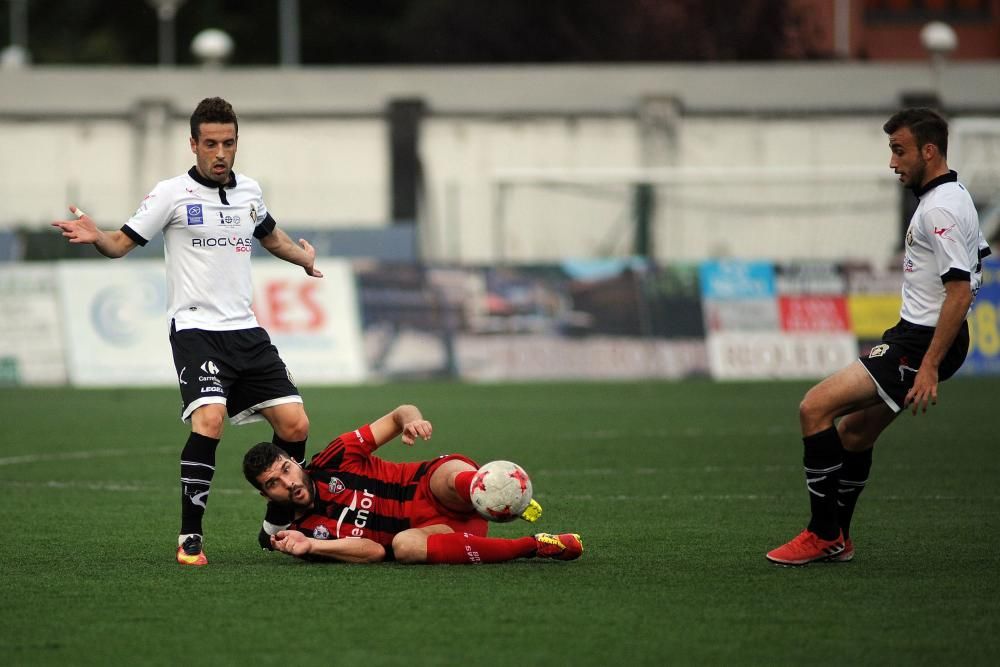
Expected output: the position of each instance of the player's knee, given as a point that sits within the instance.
(208, 422)
(853, 437)
(805, 410)
(295, 429)
(407, 549)
(811, 412)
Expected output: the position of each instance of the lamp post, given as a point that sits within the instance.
(16, 55)
(939, 39)
(166, 12)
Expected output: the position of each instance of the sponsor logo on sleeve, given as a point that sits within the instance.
(194, 215)
(943, 232)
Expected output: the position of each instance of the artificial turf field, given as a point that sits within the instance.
(677, 488)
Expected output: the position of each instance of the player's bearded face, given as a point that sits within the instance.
(215, 151)
(287, 483)
(907, 159)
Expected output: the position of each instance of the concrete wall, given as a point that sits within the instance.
(519, 164)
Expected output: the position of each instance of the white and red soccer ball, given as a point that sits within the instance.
(500, 491)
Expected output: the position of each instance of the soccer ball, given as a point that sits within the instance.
(500, 491)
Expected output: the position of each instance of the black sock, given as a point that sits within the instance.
(197, 469)
(822, 461)
(277, 515)
(853, 477)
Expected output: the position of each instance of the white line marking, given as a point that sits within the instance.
(76, 456)
(688, 432)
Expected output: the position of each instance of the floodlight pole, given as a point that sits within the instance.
(166, 12)
(19, 23)
(16, 53)
(288, 27)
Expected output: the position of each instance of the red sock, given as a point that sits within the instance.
(459, 548)
(463, 485)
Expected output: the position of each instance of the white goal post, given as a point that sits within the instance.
(692, 213)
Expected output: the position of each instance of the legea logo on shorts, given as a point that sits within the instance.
(194, 214)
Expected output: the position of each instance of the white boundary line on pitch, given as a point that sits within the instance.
(688, 432)
(77, 456)
(130, 487)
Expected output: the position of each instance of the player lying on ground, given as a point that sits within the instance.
(352, 506)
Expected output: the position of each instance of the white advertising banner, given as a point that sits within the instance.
(754, 356)
(315, 323)
(516, 358)
(115, 323)
(31, 346)
(116, 328)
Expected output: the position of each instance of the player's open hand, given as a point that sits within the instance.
(418, 428)
(310, 251)
(80, 230)
(291, 542)
(924, 389)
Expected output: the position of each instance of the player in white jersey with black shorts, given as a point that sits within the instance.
(225, 361)
(843, 415)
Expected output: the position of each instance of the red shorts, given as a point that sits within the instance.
(426, 510)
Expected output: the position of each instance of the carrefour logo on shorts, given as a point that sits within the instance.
(194, 214)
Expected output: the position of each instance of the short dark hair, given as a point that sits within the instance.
(259, 458)
(927, 126)
(213, 110)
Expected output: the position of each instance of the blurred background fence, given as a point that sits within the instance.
(733, 218)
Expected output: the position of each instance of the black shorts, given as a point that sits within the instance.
(893, 364)
(240, 369)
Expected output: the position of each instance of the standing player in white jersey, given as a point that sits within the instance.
(225, 361)
(942, 271)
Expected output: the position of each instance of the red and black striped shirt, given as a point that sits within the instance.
(358, 494)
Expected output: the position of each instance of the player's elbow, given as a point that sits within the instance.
(373, 553)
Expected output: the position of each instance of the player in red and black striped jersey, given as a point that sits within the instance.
(352, 506)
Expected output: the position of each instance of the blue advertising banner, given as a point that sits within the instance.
(984, 325)
(735, 279)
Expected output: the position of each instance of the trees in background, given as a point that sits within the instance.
(420, 31)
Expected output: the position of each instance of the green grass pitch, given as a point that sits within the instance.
(677, 488)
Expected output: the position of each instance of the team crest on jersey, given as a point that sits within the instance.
(909, 236)
(321, 533)
(878, 351)
(194, 214)
(336, 486)
(253, 214)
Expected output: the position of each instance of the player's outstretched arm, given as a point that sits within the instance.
(405, 420)
(353, 550)
(303, 254)
(83, 230)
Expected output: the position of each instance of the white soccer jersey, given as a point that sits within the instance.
(943, 241)
(208, 234)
